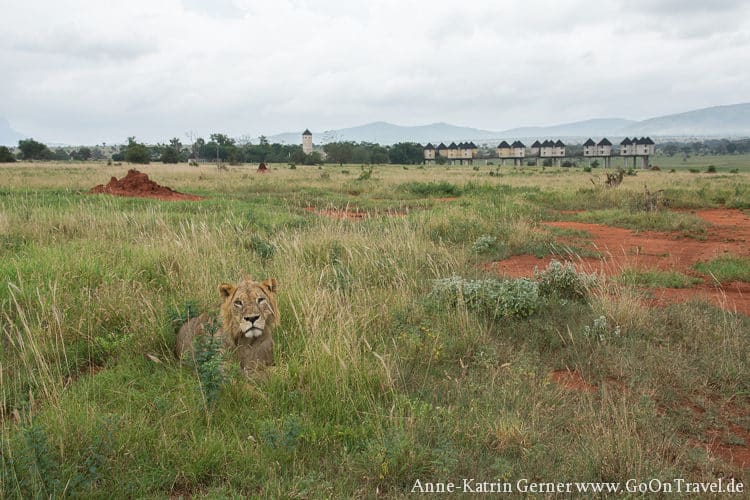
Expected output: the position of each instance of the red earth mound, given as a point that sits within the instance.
(137, 184)
(625, 249)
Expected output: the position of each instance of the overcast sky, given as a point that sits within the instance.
(84, 71)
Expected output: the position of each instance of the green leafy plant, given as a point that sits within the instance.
(262, 247)
(484, 244)
(563, 281)
(208, 364)
(496, 298)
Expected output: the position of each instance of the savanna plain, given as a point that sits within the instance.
(436, 323)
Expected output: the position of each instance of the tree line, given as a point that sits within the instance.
(222, 148)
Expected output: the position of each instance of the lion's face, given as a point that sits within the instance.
(249, 309)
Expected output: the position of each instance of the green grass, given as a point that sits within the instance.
(726, 268)
(375, 383)
(657, 278)
(685, 224)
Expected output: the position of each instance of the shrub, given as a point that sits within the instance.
(711, 169)
(563, 281)
(208, 364)
(496, 298)
(484, 244)
(694, 171)
(587, 169)
(137, 152)
(6, 155)
(262, 248)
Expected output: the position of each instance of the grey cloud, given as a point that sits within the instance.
(78, 45)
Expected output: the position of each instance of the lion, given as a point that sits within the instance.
(249, 312)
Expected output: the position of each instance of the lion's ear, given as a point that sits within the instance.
(226, 290)
(271, 284)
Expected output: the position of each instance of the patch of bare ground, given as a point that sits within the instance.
(725, 439)
(625, 249)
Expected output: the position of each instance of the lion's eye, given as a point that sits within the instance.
(238, 303)
(261, 300)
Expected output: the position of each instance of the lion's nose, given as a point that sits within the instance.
(252, 319)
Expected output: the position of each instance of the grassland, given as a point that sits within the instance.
(377, 382)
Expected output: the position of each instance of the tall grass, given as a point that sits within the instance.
(375, 384)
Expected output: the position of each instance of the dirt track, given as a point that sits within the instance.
(622, 249)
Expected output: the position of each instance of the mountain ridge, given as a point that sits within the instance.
(731, 120)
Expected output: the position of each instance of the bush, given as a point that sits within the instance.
(208, 365)
(170, 155)
(6, 155)
(563, 281)
(711, 169)
(137, 153)
(262, 248)
(496, 298)
(484, 244)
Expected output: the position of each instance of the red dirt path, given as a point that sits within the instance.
(137, 184)
(729, 233)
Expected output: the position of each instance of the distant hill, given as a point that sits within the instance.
(388, 133)
(8, 136)
(597, 126)
(731, 120)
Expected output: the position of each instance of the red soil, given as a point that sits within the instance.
(137, 184)
(737, 454)
(717, 439)
(626, 249)
(572, 381)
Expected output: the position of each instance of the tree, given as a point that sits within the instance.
(33, 150)
(137, 152)
(6, 155)
(82, 154)
(171, 153)
(313, 158)
(406, 153)
(59, 154)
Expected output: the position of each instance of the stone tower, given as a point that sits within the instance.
(307, 147)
